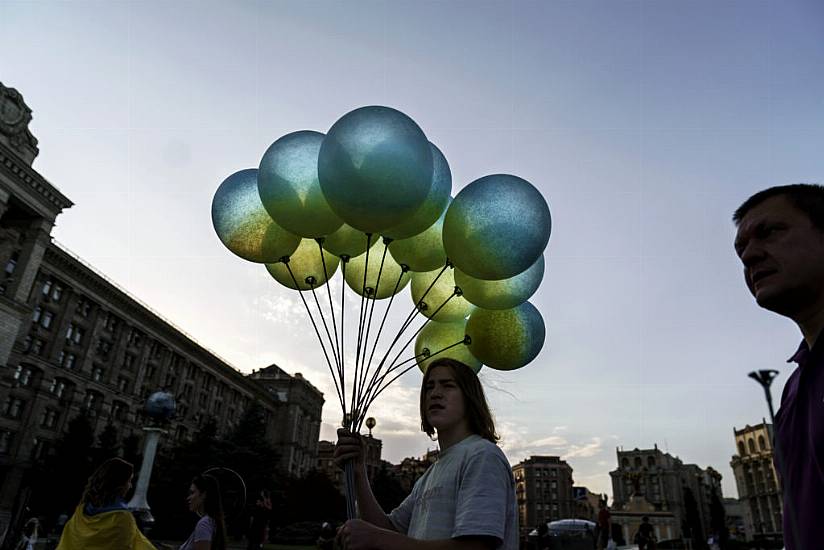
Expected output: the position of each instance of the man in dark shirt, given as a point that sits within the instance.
(780, 241)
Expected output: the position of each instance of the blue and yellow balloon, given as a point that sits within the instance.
(308, 269)
(506, 339)
(375, 168)
(444, 340)
(289, 188)
(496, 227)
(502, 294)
(244, 226)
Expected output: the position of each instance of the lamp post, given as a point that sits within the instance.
(765, 378)
(160, 408)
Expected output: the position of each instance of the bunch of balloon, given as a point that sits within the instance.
(372, 197)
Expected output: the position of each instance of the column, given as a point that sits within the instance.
(37, 239)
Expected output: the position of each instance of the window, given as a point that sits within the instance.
(123, 384)
(119, 410)
(22, 375)
(97, 374)
(84, 307)
(27, 344)
(57, 293)
(49, 419)
(74, 334)
(37, 346)
(14, 407)
(46, 319)
(35, 315)
(103, 347)
(741, 450)
(38, 448)
(47, 285)
(6, 439)
(751, 445)
(761, 443)
(651, 461)
(12, 263)
(57, 387)
(66, 360)
(91, 401)
(128, 361)
(638, 463)
(134, 338)
(110, 323)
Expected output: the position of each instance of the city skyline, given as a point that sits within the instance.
(643, 125)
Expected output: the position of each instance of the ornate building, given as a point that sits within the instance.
(668, 485)
(326, 460)
(757, 482)
(72, 342)
(543, 489)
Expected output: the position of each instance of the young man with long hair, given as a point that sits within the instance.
(780, 241)
(466, 500)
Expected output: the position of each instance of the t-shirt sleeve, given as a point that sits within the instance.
(483, 496)
(204, 530)
(402, 515)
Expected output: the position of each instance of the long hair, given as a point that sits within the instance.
(107, 482)
(212, 507)
(477, 410)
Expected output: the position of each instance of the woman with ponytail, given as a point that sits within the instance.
(204, 500)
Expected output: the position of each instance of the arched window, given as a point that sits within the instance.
(751, 444)
(625, 462)
(638, 462)
(741, 449)
(761, 443)
(650, 461)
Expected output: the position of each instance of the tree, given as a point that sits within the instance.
(718, 518)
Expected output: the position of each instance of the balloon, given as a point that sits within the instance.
(496, 227)
(434, 337)
(389, 274)
(424, 251)
(289, 187)
(348, 241)
(243, 225)
(434, 205)
(502, 294)
(306, 266)
(506, 339)
(455, 309)
(375, 168)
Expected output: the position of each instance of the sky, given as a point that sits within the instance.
(643, 123)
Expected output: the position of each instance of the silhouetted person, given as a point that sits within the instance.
(204, 500)
(465, 500)
(259, 522)
(780, 241)
(646, 535)
(604, 525)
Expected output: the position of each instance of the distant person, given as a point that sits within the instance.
(780, 241)
(102, 521)
(645, 538)
(604, 525)
(205, 501)
(326, 539)
(28, 539)
(259, 521)
(465, 500)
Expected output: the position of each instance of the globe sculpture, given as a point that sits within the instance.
(160, 406)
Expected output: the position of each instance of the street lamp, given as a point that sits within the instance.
(370, 423)
(765, 378)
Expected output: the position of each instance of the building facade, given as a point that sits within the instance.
(326, 460)
(758, 488)
(72, 342)
(668, 485)
(543, 490)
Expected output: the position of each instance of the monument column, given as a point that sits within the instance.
(34, 247)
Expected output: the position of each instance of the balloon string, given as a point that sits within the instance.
(345, 260)
(326, 328)
(404, 269)
(331, 306)
(406, 345)
(366, 365)
(416, 309)
(317, 333)
(397, 366)
(361, 318)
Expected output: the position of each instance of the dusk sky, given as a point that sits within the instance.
(643, 123)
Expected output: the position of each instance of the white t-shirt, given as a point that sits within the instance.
(204, 531)
(469, 491)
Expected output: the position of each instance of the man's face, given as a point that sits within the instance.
(783, 256)
(443, 399)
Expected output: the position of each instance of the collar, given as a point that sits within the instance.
(803, 354)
